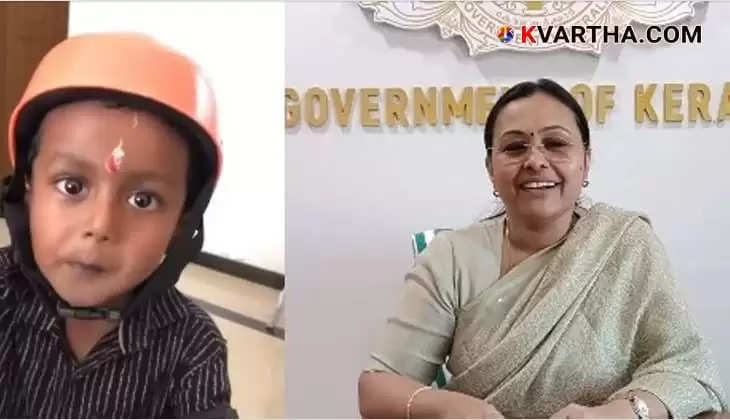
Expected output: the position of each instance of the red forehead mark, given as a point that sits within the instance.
(113, 162)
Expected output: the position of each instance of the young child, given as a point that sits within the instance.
(115, 159)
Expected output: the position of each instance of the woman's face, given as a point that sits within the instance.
(538, 162)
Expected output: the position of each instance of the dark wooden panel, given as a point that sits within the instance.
(28, 31)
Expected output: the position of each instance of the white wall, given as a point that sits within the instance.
(241, 48)
(354, 196)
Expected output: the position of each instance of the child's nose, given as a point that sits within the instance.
(101, 221)
(92, 234)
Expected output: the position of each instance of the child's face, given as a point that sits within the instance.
(96, 234)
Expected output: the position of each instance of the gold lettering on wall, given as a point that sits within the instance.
(483, 100)
(446, 105)
(424, 106)
(672, 103)
(604, 101)
(457, 109)
(343, 109)
(699, 102)
(395, 107)
(292, 111)
(367, 107)
(642, 103)
(318, 96)
(723, 111)
(583, 94)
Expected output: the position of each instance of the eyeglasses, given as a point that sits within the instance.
(554, 150)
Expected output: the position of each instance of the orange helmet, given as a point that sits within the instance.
(118, 63)
(134, 70)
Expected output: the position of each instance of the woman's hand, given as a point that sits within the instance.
(386, 395)
(614, 409)
(454, 405)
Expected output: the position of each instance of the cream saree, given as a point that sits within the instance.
(583, 321)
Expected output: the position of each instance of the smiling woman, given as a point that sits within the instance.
(549, 308)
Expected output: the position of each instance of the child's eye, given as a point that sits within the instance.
(70, 187)
(144, 201)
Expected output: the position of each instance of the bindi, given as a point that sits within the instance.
(113, 162)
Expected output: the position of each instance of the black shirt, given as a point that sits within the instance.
(167, 360)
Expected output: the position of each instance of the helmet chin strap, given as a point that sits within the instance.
(87, 314)
(90, 313)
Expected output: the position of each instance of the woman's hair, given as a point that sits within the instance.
(527, 89)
